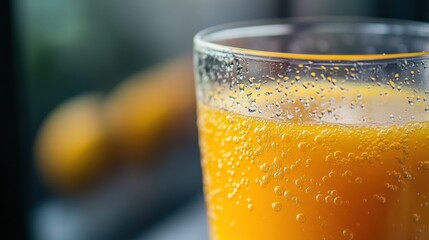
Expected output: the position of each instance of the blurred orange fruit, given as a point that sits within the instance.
(80, 137)
(151, 106)
(72, 146)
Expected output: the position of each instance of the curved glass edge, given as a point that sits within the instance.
(282, 26)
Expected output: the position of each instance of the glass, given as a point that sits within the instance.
(315, 129)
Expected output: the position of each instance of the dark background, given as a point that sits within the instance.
(13, 210)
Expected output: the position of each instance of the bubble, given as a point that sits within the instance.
(286, 194)
(317, 138)
(276, 206)
(332, 173)
(348, 234)
(351, 156)
(395, 146)
(338, 201)
(303, 146)
(348, 173)
(337, 154)
(277, 161)
(300, 217)
(325, 178)
(407, 175)
(293, 167)
(308, 162)
(425, 165)
(391, 187)
(329, 157)
(358, 180)
(250, 207)
(329, 199)
(333, 193)
(319, 197)
(416, 217)
(266, 179)
(298, 182)
(278, 190)
(264, 168)
(379, 198)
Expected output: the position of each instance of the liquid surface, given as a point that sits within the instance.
(282, 178)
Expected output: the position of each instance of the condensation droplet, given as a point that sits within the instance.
(250, 207)
(241, 87)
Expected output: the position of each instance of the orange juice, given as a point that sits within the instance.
(268, 178)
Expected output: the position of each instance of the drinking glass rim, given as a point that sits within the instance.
(282, 26)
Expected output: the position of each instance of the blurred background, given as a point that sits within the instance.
(99, 136)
